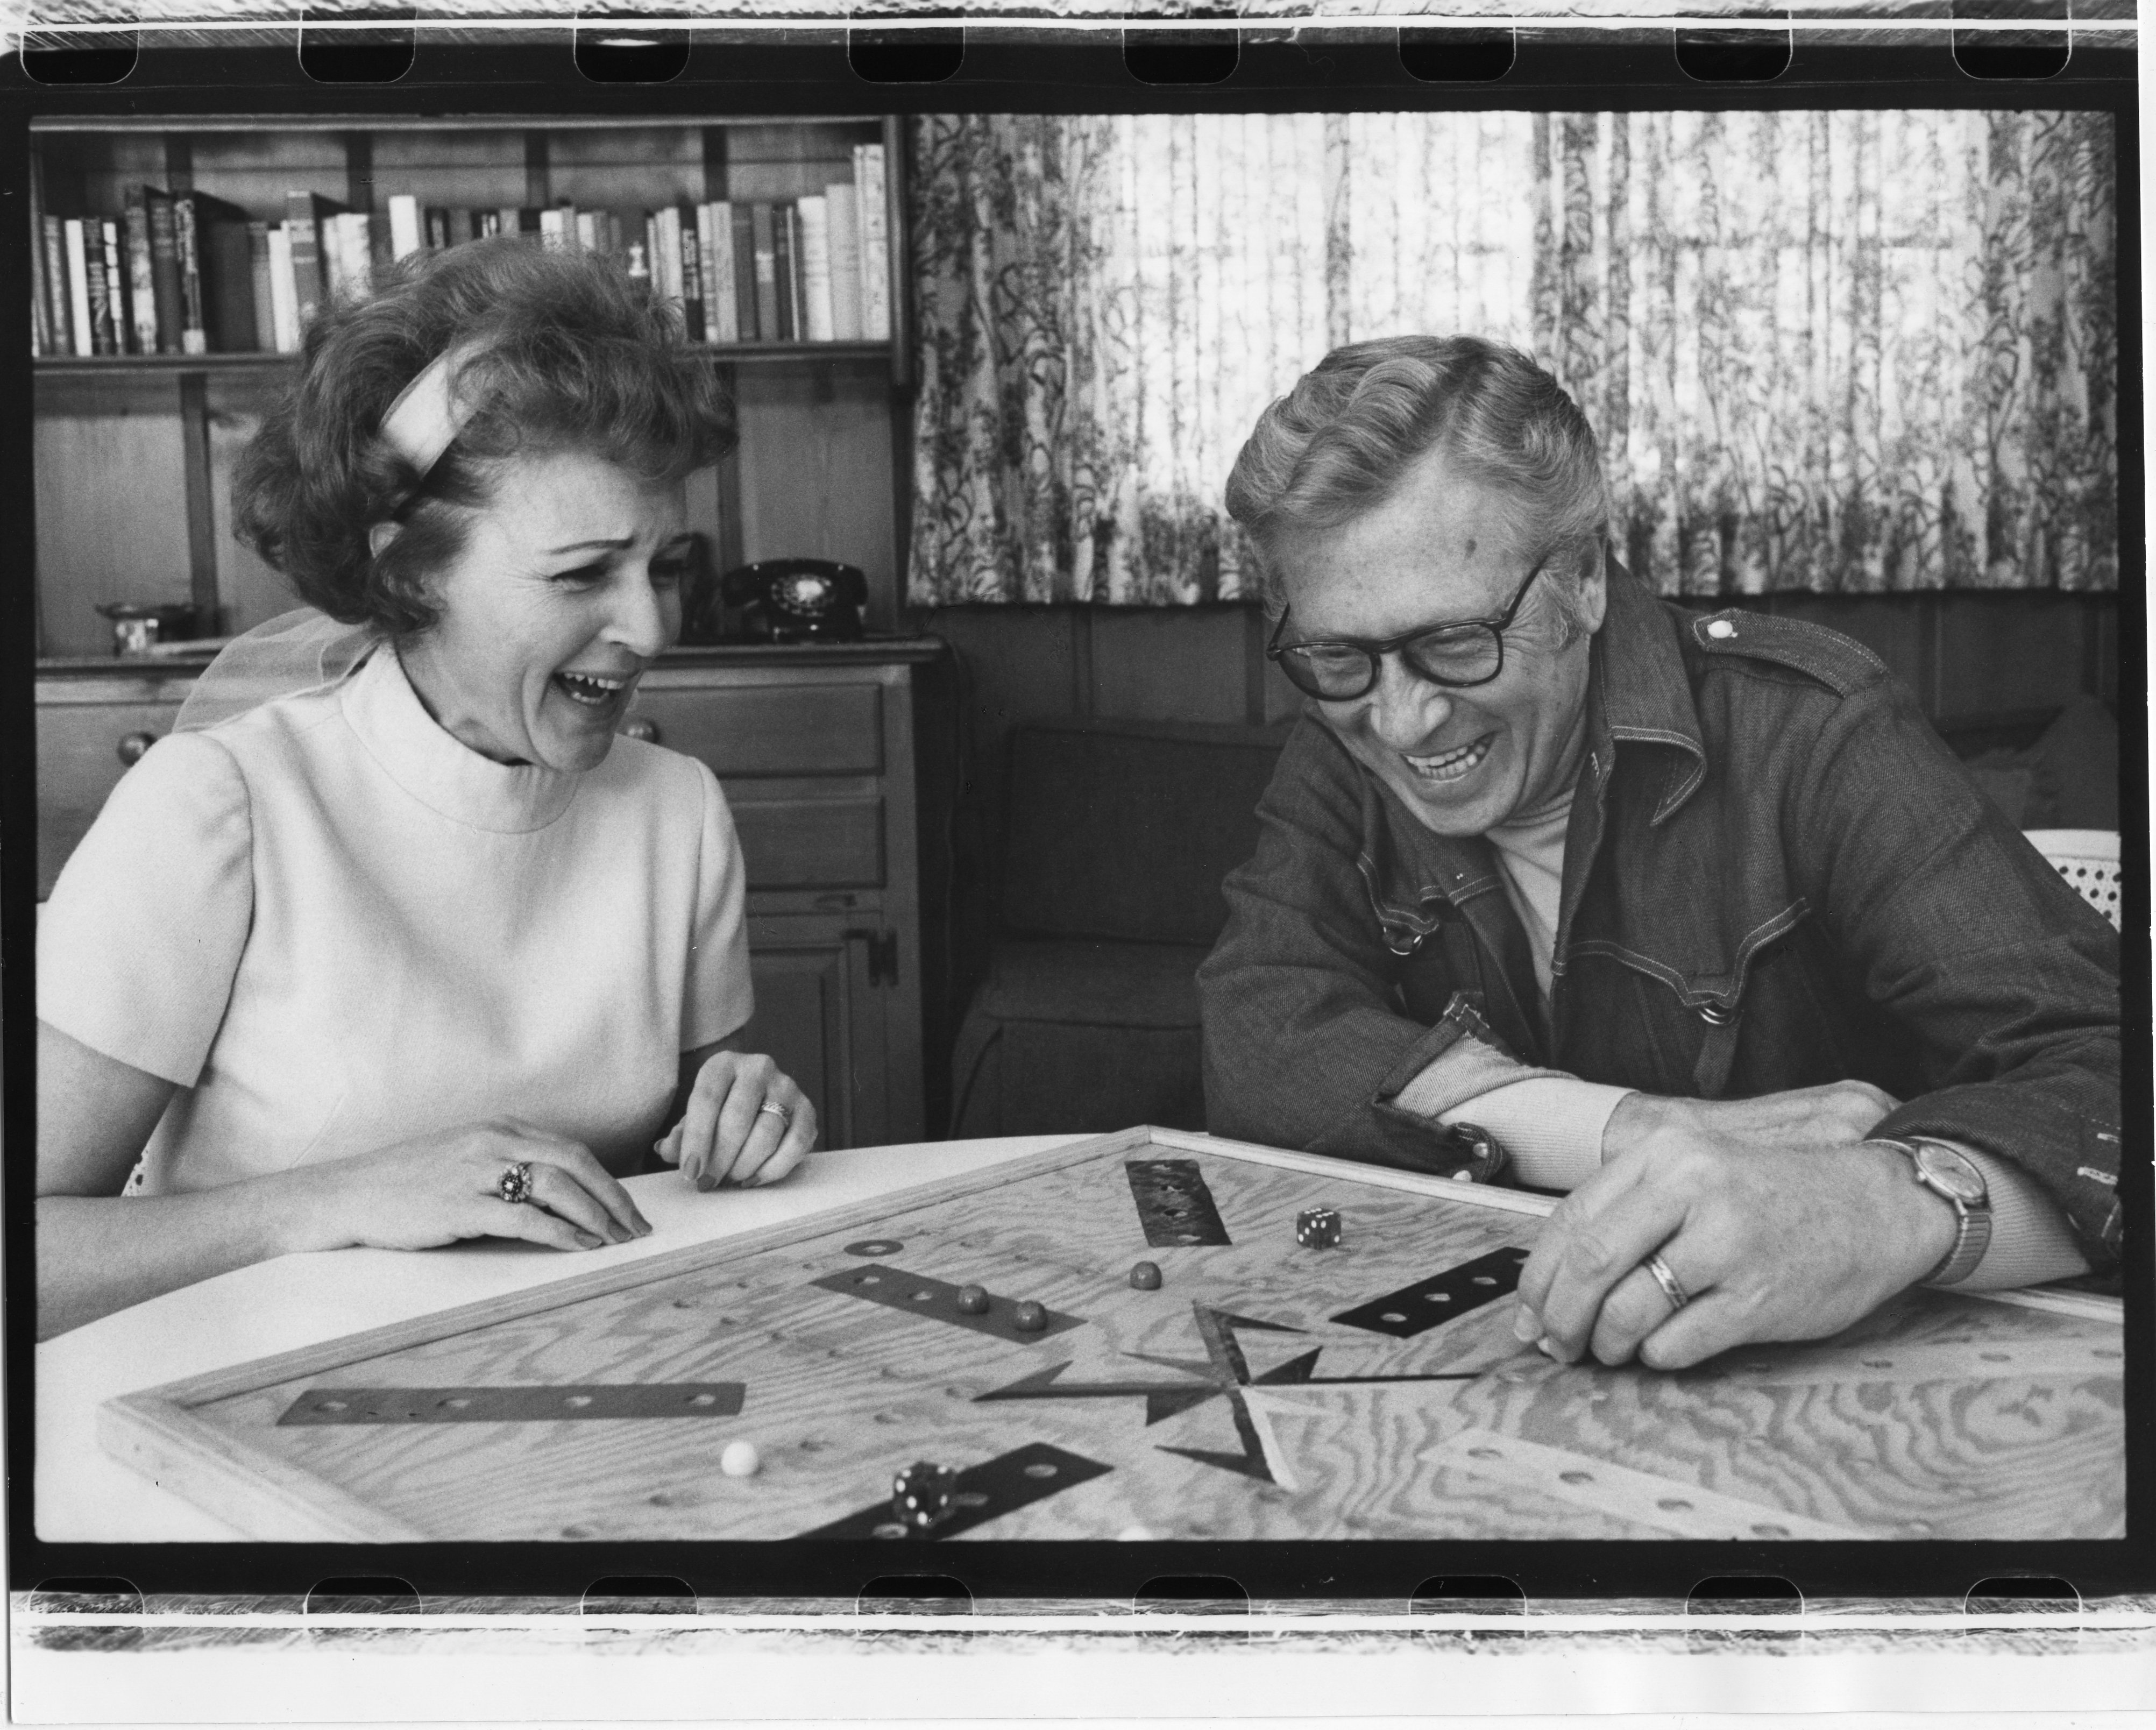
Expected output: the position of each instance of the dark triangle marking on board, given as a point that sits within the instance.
(1163, 1403)
(1294, 1370)
(1240, 1464)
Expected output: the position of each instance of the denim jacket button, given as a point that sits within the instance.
(1714, 1015)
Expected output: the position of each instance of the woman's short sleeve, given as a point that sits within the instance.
(718, 996)
(139, 946)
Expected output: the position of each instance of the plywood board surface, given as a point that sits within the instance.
(1230, 1403)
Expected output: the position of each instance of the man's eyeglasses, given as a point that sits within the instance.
(1470, 652)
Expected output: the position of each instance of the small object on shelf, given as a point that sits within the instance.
(1028, 1318)
(973, 1300)
(921, 1495)
(138, 629)
(784, 600)
(740, 1460)
(1146, 1276)
(1317, 1227)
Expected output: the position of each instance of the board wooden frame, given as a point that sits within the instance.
(157, 1433)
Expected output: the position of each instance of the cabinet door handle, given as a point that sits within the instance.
(639, 728)
(132, 747)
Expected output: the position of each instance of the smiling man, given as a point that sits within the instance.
(1691, 917)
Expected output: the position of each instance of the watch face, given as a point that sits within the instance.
(1948, 1171)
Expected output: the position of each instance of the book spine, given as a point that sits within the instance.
(405, 239)
(307, 256)
(43, 327)
(141, 273)
(587, 231)
(56, 277)
(842, 223)
(747, 312)
(77, 285)
(228, 280)
(550, 230)
(164, 267)
(116, 290)
(816, 266)
(666, 260)
(721, 314)
(785, 272)
(692, 272)
(283, 294)
(876, 243)
(359, 253)
(437, 227)
(102, 330)
(258, 283)
(194, 334)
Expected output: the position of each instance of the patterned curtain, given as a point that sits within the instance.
(1837, 351)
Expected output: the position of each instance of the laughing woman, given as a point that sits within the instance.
(423, 951)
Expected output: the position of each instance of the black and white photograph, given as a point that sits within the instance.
(785, 823)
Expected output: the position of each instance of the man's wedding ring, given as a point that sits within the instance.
(516, 1182)
(1673, 1289)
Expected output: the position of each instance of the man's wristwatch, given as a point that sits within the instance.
(1948, 1173)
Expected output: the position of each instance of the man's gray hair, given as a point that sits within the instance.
(1337, 444)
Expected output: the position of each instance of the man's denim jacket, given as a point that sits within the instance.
(1775, 876)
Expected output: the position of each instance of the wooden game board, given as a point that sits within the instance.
(1265, 1390)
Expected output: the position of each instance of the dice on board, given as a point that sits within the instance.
(1317, 1227)
(921, 1495)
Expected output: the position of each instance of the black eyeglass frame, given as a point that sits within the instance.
(1374, 651)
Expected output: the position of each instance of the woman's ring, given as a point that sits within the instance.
(777, 1111)
(516, 1182)
(1659, 1271)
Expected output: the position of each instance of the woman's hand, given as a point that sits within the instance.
(441, 1188)
(745, 1123)
(1771, 1217)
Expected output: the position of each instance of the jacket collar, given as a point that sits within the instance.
(1638, 693)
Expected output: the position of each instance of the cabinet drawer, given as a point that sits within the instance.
(79, 764)
(810, 844)
(769, 730)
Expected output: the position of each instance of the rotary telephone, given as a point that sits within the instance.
(786, 600)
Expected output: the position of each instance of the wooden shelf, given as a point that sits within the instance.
(729, 354)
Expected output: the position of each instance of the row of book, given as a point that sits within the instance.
(187, 273)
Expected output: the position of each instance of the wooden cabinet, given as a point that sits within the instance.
(815, 747)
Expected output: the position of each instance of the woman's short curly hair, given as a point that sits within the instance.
(567, 352)
(1337, 444)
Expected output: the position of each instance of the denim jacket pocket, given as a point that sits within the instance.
(1711, 998)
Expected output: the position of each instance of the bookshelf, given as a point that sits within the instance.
(135, 451)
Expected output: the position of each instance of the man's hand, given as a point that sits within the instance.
(1778, 1224)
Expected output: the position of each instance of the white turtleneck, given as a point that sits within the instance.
(336, 928)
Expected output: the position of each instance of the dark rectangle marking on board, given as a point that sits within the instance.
(920, 1295)
(982, 1492)
(1175, 1205)
(1428, 1303)
(515, 1406)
